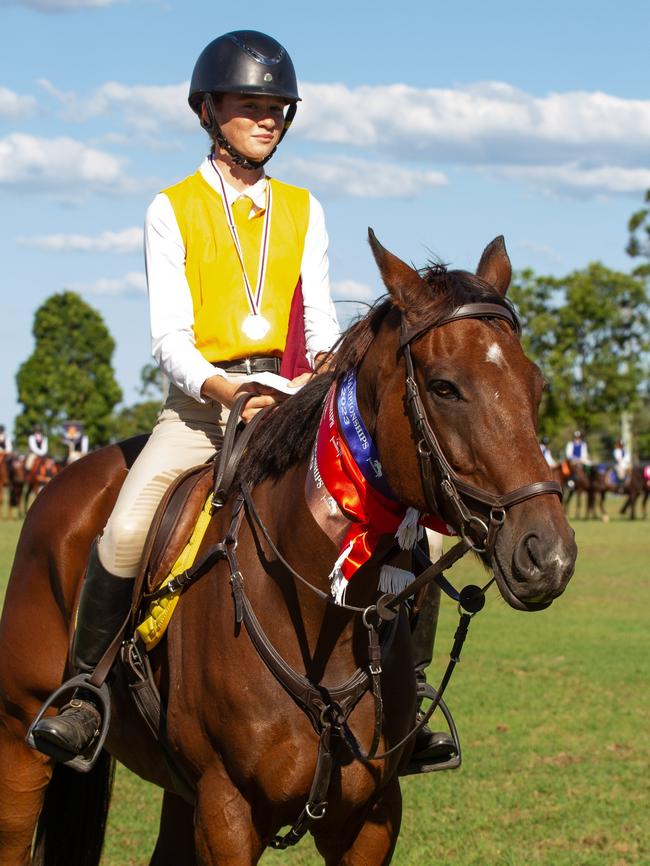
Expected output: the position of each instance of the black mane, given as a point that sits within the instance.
(286, 436)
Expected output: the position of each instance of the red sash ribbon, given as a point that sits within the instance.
(371, 512)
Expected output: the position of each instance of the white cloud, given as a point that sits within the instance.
(352, 300)
(59, 5)
(489, 122)
(13, 105)
(358, 178)
(544, 251)
(132, 283)
(602, 138)
(126, 241)
(577, 180)
(62, 168)
(147, 108)
(351, 290)
(150, 109)
(481, 123)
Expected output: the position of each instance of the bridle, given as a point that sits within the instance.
(477, 514)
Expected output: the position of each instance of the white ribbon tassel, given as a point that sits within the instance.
(408, 532)
(338, 583)
(393, 579)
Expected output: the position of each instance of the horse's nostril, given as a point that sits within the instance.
(524, 560)
(533, 549)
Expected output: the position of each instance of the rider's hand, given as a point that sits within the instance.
(226, 392)
(300, 380)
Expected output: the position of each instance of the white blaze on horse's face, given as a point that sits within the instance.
(495, 355)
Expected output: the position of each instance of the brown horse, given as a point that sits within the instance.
(598, 481)
(41, 472)
(12, 476)
(585, 487)
(638, 486)
(248, 750)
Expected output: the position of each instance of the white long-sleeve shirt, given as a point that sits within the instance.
(36, 447)
(170, 301)
(577, 451)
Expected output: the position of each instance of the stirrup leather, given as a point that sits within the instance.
(82, 763)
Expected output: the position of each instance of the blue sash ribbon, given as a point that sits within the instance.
(356, 436)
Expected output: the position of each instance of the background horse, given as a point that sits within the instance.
(604, 481)
(12, 477)
(42, 471)
(586, 488)
(248, 750)
(637, 486)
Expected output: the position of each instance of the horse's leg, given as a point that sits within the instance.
(630, 503)
(224, 832)
(372, 840)
(24, 776)
(567, 500)
(604, 516)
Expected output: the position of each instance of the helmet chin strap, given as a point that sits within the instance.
(212, 126)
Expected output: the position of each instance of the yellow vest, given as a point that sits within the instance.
(214, 272)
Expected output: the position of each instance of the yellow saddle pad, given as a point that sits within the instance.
(160, 611)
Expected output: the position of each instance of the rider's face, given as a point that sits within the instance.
(252, 124)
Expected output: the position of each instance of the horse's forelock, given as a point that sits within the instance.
(451, 289)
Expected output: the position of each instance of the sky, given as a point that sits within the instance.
(440, 125)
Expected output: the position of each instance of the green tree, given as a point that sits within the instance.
(140, 418)
(69, 373)
(588, 331)
(641, 427)
(539, 303)
(639, 240)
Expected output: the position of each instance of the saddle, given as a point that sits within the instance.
(179, 524)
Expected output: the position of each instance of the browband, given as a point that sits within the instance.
(466, 311)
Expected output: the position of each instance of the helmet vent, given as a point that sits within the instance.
(256, 55)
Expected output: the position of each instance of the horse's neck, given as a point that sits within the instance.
(299, 538)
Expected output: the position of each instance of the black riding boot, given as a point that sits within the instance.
(103, 606)
(430, 746)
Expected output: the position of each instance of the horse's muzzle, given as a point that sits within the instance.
(535, 569)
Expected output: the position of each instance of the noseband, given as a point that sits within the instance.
(477, 514)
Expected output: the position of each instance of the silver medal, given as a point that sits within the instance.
(255, 327)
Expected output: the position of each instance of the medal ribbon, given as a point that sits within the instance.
(254, 297)
(364, 497)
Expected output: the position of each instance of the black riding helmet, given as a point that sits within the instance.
(243, 61)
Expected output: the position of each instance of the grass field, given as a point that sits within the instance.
(552, 710)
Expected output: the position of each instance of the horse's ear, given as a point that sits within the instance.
(494, 267)
(403, 282)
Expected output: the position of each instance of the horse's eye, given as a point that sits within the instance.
(443, 389)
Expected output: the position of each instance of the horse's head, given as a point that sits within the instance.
(454, 400)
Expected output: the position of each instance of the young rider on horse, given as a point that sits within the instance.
(227, 249)
(37, 446)
(546, 451)
(6, 445)
(622, 462)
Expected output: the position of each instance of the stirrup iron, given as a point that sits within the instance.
(85, 762)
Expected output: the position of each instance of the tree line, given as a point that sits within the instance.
(69, 375)
(588, 331)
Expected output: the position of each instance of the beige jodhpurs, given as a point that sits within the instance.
(187, 433)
